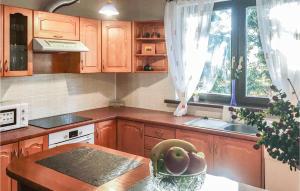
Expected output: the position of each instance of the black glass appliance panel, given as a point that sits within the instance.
(57, 121)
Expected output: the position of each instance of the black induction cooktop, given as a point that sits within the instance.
(57, 121)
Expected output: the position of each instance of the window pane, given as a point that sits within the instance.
(216, 75)
(257, 75)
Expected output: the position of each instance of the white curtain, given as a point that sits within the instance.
(279, 27)
(187, 26)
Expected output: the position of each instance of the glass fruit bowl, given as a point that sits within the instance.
(168, 182)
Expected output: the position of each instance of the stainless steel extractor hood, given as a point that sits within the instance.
(54, 45)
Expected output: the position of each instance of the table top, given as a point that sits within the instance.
(28, 172)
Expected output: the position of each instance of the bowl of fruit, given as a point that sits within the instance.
(176, 165)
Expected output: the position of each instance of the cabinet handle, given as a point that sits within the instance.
(215, 149)
(81, 63)
(141, 132)
(6, 66)
(57, 36)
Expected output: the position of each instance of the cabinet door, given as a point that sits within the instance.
(236, 159)
(106, 134)
(131, 137)
(32, 146)
(7, 153)
(90, 35)
(1, 40)
(203, 142)
(17, 41)
(116, 46)
(56, 26)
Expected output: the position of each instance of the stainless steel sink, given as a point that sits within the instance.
(221, 125)
(241, 128)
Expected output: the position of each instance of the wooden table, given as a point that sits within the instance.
(34, 177)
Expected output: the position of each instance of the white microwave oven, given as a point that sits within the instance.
(13, 116)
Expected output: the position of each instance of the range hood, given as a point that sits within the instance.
(54, 45)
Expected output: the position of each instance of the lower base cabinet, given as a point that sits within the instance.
(7, 154)
(131, 137)
(203, 142)
(106, 134)
(16, 150)
(228, 157)
(238, 160)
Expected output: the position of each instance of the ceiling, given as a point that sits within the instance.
(129, 9)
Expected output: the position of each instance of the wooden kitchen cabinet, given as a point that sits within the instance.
(116, 46)
(1, 40)
(7, 153)
(131, 137)
(55, 26)
(17, 53)
(203, 143)
(236, 159)
(90, 35)
(106, 134)
(32, 146)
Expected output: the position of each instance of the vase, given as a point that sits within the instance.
(233, 93)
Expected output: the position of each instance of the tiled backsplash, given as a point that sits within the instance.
(54, 94)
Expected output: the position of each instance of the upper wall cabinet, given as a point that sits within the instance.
(51, 25)
(90, 35)
(17, 41)
(116, 46)
(1, 40)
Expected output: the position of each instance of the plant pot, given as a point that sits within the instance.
(195, 98)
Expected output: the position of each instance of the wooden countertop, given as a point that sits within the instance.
(31, 175)
(129, 113)
(37, 177)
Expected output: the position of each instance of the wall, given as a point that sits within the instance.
(150, 90)
(54, 94)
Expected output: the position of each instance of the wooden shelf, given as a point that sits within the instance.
(153, 71)
(158, 62)
(151, 39)
(153, 55)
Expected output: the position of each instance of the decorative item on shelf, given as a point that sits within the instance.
(148, 67)
(155, 35)
(160, 48)
(148, 48)
(238, 68)
(177, 165)
(280, 137)
(146, 35)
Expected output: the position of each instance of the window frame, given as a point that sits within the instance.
(238, 48)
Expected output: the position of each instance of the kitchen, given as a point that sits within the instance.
(108, 96)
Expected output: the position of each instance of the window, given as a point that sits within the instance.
(234, 34)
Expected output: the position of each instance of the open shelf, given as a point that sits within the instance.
(152, 55)
(157, 58)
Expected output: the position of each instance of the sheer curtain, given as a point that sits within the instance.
(279, 27)
(187, 30)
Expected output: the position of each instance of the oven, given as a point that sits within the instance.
(82, 134)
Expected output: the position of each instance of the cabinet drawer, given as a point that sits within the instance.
(150, 142)
(147, 153)
(159, 132)
(51, 25)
